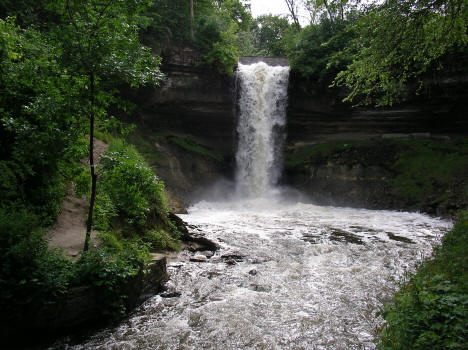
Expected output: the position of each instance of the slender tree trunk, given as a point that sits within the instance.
(328, 10)
(89, 221)
(293, 10)
(192, 15)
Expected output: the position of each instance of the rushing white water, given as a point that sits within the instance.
(287, 276)
(306, 277)
(262, 116)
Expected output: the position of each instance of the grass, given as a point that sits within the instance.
(145, 144)
(431, 309)
(189, 144)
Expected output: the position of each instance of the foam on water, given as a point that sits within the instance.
(310, 278)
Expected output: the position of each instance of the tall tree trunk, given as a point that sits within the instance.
(292, 7)
(89, 221)
(192, 15)
(328, 10)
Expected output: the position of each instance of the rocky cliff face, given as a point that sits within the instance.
(186, 127)
(412, 174)
(317, 114)
(199, 104)
(317, 117)
(193, 101)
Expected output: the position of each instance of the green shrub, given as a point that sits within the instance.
(110, 242)
(431, 310)
(128, 188)
(109, 269)
(30, 275)
(215, 40)
(104, 212)
(162, 241)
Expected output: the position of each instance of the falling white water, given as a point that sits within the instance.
(262, 116)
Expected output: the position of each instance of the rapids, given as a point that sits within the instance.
(305, 277)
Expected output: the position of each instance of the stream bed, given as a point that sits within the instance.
(287, 276)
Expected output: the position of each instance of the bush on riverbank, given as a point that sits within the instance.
(131, 202)
(32, 277)
(132, 214)
(431, 310)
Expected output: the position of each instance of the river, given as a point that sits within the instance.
(288, 275)
(304, 277)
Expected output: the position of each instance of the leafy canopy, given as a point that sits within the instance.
(397, 43)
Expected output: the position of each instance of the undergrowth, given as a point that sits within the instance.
(132, 216)
(193, 146)
(431, 310)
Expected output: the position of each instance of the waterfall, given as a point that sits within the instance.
(262, 101)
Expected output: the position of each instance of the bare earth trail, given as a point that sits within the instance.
(68, 232)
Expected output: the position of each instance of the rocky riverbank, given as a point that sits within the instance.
(403, 174)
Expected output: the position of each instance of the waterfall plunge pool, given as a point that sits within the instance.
(305, 277)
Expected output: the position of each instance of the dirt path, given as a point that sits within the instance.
(68, 232)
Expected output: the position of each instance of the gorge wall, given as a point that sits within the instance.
(186, 126)
(317, 114)
(381, 158)
(190, 123)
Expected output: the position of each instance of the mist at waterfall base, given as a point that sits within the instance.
(288, 275)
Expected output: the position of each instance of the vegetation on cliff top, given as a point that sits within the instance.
(382, 52)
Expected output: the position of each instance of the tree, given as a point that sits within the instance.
(221, 33)
(293, 7)
(396, 43)
(100, 48)
(315, 51)
(333, 9)
(191, 20)
(39, 134)
(268, 35)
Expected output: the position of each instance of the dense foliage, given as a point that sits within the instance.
(398, 42)
(431, 309)
(40, 134)
(220, 30)
(61, 63)
(381, 52)
(315, 48)
(131, 201)
(270, 35)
